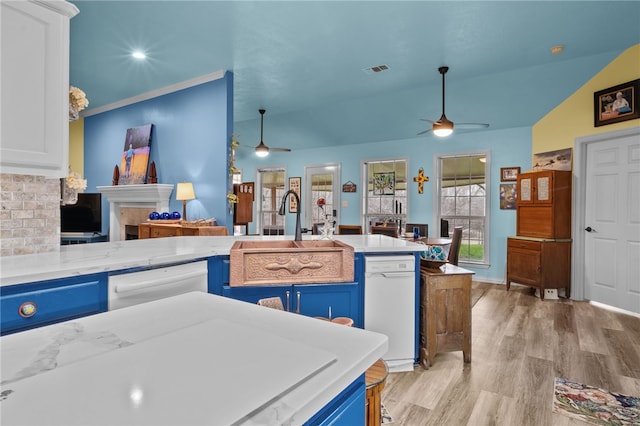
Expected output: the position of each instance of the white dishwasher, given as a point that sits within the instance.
(130, 289)
(390, 306)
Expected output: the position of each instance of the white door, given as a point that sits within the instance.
(612, 223)
(321, 183)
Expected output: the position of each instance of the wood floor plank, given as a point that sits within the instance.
(590, 334)
(520, 344)
(493, 409)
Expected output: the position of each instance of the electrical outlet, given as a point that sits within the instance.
(551, 293)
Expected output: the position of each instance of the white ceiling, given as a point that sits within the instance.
(303, 61)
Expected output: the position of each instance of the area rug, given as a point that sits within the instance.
(386, 416)
(594, 405)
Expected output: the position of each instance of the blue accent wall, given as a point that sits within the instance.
(190, 142)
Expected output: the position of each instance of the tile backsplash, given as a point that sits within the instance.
(29, 214)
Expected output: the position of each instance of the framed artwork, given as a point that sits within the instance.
(509, 174)
(616, 104)
(384, 183)
(508, 196)
(134, 160)
(294, 185)
(553, 160)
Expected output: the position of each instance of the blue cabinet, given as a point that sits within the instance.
(307, 299)
(41, 303)
(346, 409)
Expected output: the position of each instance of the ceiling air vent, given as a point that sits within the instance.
(377, 68)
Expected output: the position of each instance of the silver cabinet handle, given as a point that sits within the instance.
(298, 307)
(288, 293)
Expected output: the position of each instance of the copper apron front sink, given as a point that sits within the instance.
(277, 262)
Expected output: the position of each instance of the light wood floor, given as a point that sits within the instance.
(519, 345)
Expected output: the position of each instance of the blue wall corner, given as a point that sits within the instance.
(192, 127)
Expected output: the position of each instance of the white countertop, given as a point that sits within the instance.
(82, 259)
(191, 359)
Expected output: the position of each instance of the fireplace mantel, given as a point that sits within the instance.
(153, 196)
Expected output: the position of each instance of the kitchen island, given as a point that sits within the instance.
(83, 259)
(191, 359)
(299, 369)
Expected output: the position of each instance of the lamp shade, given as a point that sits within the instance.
(185, 191)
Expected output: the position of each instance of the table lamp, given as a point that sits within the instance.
(185, 192)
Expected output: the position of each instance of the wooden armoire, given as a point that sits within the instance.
(540, 254)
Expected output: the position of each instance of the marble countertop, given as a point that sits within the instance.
(82, 259)
(191, 359)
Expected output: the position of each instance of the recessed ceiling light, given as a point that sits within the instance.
(138, 54)
(556, 50)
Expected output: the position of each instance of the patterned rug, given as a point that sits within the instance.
(594, 405)
(386, 416)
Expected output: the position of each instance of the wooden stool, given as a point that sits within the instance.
(375, 378)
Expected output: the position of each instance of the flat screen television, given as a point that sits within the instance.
(83, 217)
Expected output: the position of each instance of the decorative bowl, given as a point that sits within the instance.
(435, 256)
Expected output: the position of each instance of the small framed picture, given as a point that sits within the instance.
(616, 104)
(509, 174)
(508, 196)
(294, 185)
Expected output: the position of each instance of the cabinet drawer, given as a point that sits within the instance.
(31, 305)
(523, 244)
(158, 232)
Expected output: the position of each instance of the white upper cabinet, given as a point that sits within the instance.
(34, 131)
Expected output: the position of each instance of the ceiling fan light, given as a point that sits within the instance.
(262, 150)
(443, 127)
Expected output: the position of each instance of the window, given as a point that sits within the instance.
(386, 193)
(463, 200)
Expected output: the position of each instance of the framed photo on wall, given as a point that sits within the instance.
(508, 196)
(294, 185)
(509, 174)
(617, 103)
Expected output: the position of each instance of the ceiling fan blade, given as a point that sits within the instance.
(280, 149)
(472, 125)
(423, 132)
(428, 121)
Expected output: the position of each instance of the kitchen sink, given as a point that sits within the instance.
(281, 262)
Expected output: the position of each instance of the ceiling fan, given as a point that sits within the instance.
(443, 126)
(262, 150)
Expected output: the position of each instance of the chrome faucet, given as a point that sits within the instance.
(281, 212)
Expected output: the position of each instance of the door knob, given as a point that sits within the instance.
(589, 229)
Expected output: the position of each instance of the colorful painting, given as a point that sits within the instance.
(553, 160)
(508, 196)
(134, 161)
(384, 183)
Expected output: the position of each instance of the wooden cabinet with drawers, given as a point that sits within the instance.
(161, 230)
(539, 263)
(544, 204)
